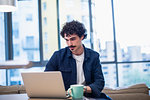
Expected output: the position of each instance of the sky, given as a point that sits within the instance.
(132, 22)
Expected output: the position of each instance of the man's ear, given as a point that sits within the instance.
(82, 37)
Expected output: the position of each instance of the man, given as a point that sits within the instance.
(78, 64)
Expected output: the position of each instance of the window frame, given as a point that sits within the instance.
(42, 62)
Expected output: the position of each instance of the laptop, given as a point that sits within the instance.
(44, 84)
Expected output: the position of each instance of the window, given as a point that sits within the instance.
(46, 48)
(108, 72)
(137, 46)
(25, 35)
(49, 28)
(45, 36)
(114, 31)
(84, 0)
(124, 41)
(134, 74)
(84, 5)
(2, 37)
(132, 29)
(44, 6)
(29, 17)
(2, 50)
(15, 30)
(104, 28)
(29, 42)
(105, 67)
(16, 49)
(16, 74)
(69, 18)
(74, 12)
(45, 21)
(30, 55)
(69, 3)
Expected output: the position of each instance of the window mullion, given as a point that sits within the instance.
(115, 43)
(8, 41)
(8, 36)
(91, 24)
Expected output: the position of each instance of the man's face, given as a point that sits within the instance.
(74, 42)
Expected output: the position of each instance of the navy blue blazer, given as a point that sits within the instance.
(63, 61)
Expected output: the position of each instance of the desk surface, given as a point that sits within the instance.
(21, 97)
(14, 97)
(25, 97)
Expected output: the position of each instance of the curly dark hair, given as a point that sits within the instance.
(74, 27)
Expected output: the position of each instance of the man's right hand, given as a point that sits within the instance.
(87, 89)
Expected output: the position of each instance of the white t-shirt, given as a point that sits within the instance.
(80, 73)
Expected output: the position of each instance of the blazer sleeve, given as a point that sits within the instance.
(98, 84)
(52, 64)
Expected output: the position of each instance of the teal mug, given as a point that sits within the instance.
(76, 91)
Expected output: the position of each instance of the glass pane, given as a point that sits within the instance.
(104, 29)
(75, 10)
(134, 73)
(26, 31)
(96, 39)
(49, 27)
(132, 29)
(109, 72)
(2, 37)
(16, 74)
(2, 50)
